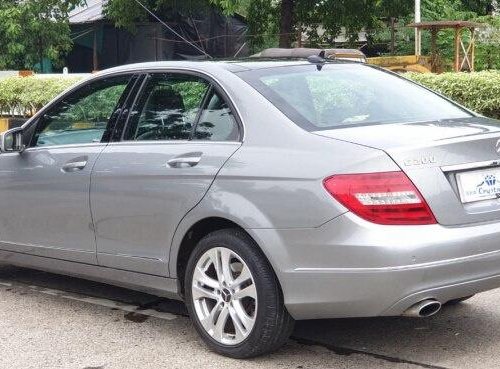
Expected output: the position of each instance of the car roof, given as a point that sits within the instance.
(211, 65)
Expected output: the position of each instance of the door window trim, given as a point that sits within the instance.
(213, 85)
(203, 104)
(118, 126)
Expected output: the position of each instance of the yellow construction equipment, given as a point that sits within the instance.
(402, 64)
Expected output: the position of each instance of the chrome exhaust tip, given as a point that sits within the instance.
(423, 309)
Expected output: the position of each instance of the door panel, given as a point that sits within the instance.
(138, 199)
(143, 186)
(46, 208)
(44, 191)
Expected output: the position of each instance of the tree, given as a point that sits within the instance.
(333, 16)
(32, 30)
(286, 23)
(278, 20)
(124, 13)
(480, 7)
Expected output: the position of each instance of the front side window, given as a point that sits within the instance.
(341, 95)
(167, 108)
(82, 116)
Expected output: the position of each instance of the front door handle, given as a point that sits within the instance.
(74, 166)
(185, 161)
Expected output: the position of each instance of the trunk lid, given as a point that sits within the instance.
(434, 155)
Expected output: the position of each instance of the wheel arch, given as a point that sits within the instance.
(190, 238)
(215, 212)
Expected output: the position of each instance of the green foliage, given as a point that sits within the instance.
(332, 15)
(192, 93)
(488, 45)
(394, 8)
(478, 91)
(263, 16)
(233, 6)
(431, 10)
(336, 16)
(32, 30)
(90, 112)
(448, 10)
(25, 95)
(263, 27)
(125, 13)
(480, 7)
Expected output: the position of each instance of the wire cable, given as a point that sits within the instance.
(83, 33)
(172, 30)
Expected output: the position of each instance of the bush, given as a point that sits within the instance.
(25, 95)
(478, 91)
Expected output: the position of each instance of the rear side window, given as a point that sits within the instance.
(346, 95)
(167, 108)
(216, 122)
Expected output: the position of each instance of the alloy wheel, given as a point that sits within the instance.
(224, 296)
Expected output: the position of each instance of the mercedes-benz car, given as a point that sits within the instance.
(259, 192)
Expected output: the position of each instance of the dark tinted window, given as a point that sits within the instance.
(167, 108)
(346, 95)
(216, 121)
(82, 116)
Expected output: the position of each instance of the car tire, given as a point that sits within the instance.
(272, 324)
(459, 300)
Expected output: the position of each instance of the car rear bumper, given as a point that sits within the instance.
(352, 268)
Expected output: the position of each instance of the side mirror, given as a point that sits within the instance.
(12, 140)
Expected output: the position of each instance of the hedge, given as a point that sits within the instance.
(25, 95)
(478, 91)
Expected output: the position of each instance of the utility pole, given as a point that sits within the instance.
(418, 31)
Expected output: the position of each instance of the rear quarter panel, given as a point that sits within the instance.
(275, 180)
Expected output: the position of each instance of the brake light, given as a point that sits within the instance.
(383, 198)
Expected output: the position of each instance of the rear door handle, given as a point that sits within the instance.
(74, 166)
(185, 161)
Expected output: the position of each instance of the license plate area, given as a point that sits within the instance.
(479, 185)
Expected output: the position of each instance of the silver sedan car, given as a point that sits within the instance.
(259, 193)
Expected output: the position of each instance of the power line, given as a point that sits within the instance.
(83, 33)
(173, 30)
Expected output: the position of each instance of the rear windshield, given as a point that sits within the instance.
(347, 95)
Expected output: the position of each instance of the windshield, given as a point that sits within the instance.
(345, 95)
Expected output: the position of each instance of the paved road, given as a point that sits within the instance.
(50, 321)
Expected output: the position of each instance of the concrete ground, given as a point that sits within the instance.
(51, 321)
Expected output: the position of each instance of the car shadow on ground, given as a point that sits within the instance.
(449, 339)
(444, 340)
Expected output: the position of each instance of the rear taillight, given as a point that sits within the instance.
(383, 198)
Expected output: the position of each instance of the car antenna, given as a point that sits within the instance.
(319, 59)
